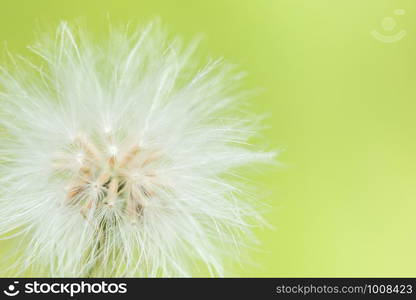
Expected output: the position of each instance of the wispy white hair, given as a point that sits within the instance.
(122, 157)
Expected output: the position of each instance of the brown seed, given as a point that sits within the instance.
(129, 156)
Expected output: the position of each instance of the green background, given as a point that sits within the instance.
(341, 104)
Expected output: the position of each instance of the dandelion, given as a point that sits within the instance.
(119, 158)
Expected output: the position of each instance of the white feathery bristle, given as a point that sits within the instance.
(114, 156)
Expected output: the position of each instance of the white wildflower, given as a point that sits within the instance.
(116, 156)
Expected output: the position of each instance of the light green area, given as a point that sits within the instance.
(341, 103)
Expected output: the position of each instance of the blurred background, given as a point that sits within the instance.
(338, 80)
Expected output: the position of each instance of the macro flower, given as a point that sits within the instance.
(123, 156)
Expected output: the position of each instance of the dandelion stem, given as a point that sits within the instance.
(97, 250)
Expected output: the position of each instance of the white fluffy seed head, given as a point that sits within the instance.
(114, 156)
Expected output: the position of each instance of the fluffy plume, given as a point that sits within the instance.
(118, 158)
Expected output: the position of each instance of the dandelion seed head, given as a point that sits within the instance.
(119, 158)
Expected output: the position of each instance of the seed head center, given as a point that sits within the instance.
(107, 179)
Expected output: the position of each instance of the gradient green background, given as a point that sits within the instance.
(341, 104)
